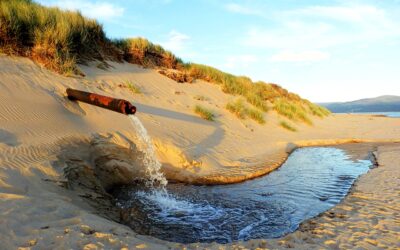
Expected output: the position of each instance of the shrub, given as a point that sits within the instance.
(287, 126)
(204, 113)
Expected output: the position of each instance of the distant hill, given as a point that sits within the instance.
(386, 103)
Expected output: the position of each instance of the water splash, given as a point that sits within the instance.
(176, 210)
(311, 181)
(150, 161)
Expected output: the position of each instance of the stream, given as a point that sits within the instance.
(311, 181)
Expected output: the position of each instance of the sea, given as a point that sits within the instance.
(388, 114)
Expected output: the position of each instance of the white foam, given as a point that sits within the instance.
(169, 206)
(145, 145)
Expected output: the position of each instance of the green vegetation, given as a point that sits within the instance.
(318, 110)
(204, 113)
(61, 39)
(291, 110)
(257, 101)
(256, 115)
(141, 51)
(287, 126)
(132, 87)
(230, 83)
(240, 109)
(58, 39)
(259, 94)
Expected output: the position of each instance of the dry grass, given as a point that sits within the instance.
(287, 126)
(204, 113)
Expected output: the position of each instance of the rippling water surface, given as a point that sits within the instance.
(311, 181)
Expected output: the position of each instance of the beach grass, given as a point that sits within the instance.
(318, 110)
(57, 39)
(143, 52)
(237, 108)
(257, 101)
(60, 40)
(292, 110)
(287, 126)
(256, 115)
(204, 113)
(259, 94)
(133, 87)
(242, 111)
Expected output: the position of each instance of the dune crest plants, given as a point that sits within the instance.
(61, 40)
(242, 111)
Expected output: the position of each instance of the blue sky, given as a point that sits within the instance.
(323, 50)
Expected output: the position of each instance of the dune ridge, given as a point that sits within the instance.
(61, 40)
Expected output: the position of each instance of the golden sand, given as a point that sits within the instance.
(39, 126)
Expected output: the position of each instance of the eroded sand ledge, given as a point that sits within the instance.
(36, 122)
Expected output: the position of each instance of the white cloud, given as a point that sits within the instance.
(239, 61)
(355, 13)
(176, 41)
(241, 9)
(321, 27)
(97, 10)
(304, 56)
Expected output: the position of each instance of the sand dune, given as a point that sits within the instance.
(39, 126)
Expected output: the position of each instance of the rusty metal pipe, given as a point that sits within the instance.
(117, 105)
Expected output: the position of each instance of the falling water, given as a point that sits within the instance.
(156, 183)
(150, 161)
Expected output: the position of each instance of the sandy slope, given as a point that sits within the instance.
(229, 149)
(38, 126)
